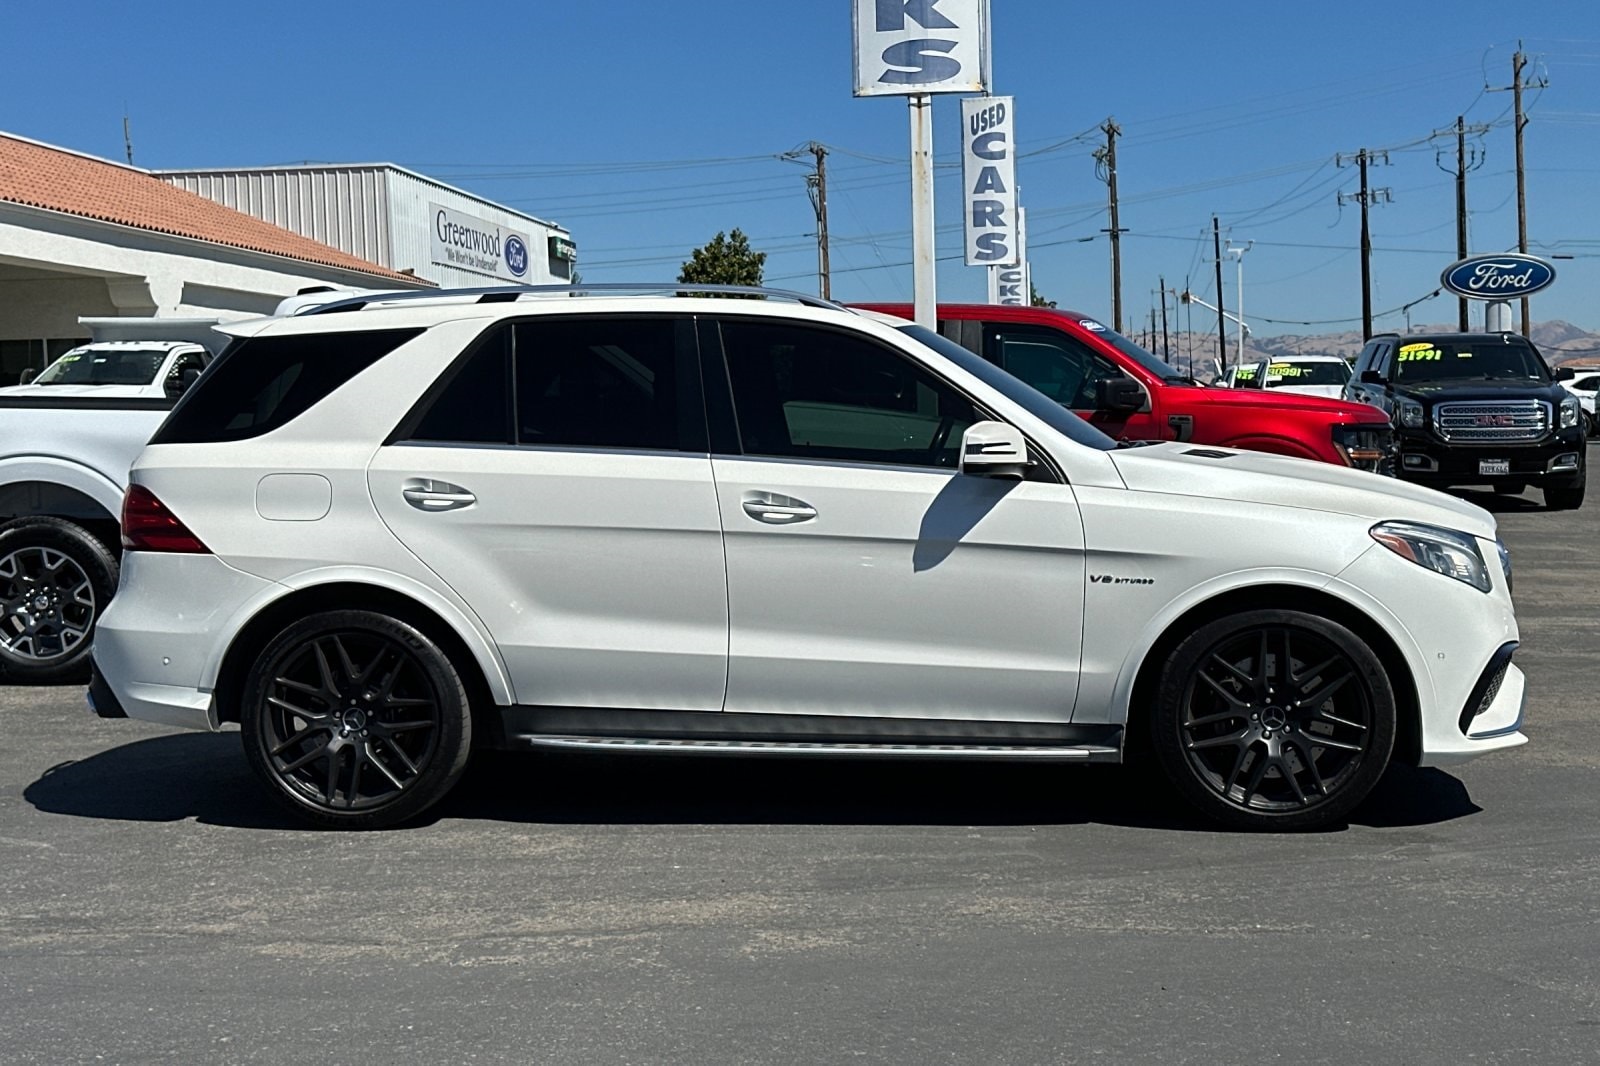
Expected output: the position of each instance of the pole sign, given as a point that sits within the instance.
(1506, 276)
(988, 170)
(908, 47)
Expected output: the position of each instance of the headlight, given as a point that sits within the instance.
(1442, 550)
(1505, 560)
(1409, 414)
(1571, 412)
(1366, 446)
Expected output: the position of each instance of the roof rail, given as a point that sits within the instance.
(509, 293)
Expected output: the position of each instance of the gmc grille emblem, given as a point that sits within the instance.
(1496, 420)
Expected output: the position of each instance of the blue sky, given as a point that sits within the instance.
(645, 127)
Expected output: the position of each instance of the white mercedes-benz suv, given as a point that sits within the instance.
(395, 528)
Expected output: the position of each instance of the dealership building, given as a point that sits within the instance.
(87, 237)
(396, 218)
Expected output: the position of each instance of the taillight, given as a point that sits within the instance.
(147, 526)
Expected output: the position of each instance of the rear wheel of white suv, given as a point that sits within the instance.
(1274, 720)
(355, 719)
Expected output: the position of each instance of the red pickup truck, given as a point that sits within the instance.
(1132, 395)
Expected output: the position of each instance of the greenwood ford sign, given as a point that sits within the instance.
(1506, 276)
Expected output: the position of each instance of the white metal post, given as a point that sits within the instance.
(1497, 316)
(923, 274)
(1244, 330)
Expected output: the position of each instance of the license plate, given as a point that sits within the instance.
(1493, 467)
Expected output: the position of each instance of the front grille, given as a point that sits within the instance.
(1497, 422)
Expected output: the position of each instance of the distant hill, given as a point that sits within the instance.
(1561, 342)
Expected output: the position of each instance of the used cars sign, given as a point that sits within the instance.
(1509, 275)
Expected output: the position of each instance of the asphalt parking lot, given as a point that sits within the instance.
(154, 907)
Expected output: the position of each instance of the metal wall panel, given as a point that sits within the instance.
(343, 207)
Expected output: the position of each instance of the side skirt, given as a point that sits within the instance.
(824, 736)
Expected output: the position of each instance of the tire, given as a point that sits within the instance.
(55, 581)
(355, 720)
(1564, 497)
(1510, 488)
(1239, 736)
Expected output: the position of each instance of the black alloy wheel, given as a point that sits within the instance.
(1274, 720)
(355, 720)
(55, 580)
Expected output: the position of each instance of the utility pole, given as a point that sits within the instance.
(817, 192)
(1222, 325)
(1166, 343)
(1366, 198)
(1465, 161)
(1106, 166)
(817, 185)
(1519, 63)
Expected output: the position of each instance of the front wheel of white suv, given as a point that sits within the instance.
(1274, 719)
(355, 720)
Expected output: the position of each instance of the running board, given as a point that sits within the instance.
(823, 749)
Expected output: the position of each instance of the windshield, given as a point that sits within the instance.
(123, 366)
(1469, 360)
(1165, 371)
(1018, 392)
(1289, 372)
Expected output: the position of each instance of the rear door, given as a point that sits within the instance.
(557, 477)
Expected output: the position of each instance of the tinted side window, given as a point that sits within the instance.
(1054, 363)
(261, 383)
(471, 403)
(1380, 359)
(800, 391)
(1364, 360)
(610, 382)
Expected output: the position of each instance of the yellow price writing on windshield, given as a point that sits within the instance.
(1410, 353)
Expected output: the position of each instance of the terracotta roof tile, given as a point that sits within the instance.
(40, 176)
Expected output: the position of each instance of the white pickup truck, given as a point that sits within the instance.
(67, 439)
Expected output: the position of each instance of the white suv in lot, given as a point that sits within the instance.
(385, 532)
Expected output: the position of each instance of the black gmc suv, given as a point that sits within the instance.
(1475, 408)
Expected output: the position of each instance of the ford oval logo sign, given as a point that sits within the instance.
(516, 256)
(1506, 276)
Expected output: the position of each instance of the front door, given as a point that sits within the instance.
(560, 484)
(865, 575)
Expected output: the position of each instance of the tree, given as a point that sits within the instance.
(726, 260)
(1035, 300)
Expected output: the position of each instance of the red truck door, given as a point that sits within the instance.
(1068, 371)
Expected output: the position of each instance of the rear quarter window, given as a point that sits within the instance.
(262, 383)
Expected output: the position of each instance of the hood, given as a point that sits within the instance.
(1333, 392)
(1479, 389)
(1255, 477)
(1282, 400)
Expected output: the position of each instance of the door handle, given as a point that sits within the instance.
(777, 510)
(428, 495)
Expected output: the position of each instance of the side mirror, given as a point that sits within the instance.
(1118, 394)
(28, 374)
(994, 449)
(1563, 373)
(1372, 377)
(179, 383)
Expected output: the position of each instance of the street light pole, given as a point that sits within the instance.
(1238, 255)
